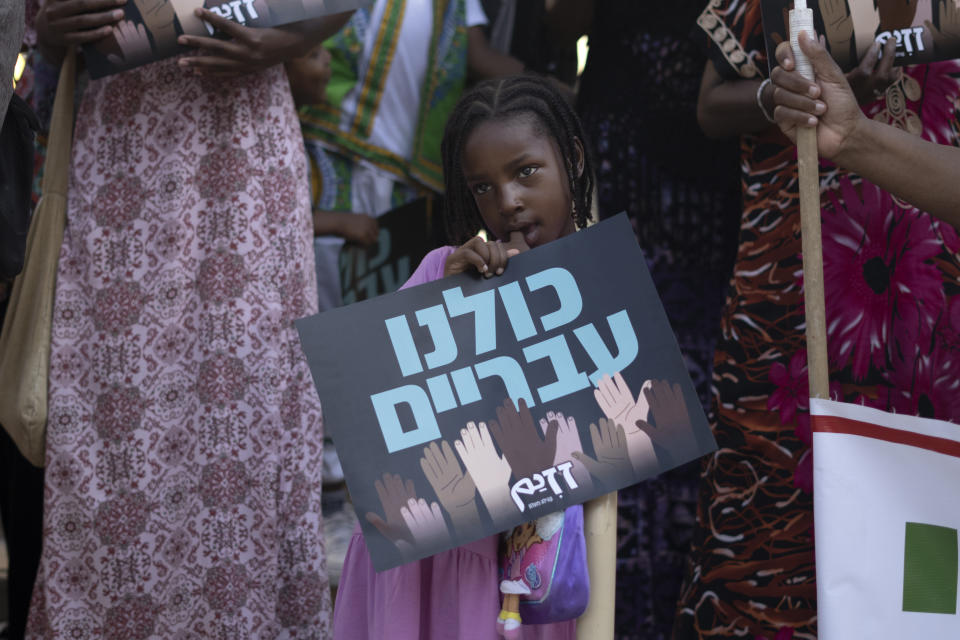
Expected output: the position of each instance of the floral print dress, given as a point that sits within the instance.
(184, 440)
(893, 323)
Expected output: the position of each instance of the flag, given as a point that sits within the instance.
(887, 515)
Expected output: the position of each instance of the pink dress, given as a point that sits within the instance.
(453, 594)
(185, 437)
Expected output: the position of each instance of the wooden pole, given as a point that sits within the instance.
(808, 168)
(600, 530)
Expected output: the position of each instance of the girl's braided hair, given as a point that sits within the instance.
(502, 99)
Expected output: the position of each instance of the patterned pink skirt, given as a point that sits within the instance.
(185, 436)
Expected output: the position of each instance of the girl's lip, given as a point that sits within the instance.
(530, 234)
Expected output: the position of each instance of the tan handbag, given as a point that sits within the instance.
(25, 340)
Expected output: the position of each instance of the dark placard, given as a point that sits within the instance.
(407, 233)
(149, 28)
(925, 30)
(466, 406)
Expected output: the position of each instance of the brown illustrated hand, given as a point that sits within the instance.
(454, 488)
(838, 25)
(394, 494)
(896, 14)
(671, 428)
(947, 36)
(158, 17)
(612, 464)
(518, 438)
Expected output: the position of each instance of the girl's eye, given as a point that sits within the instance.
(480, 189)
(526, 172)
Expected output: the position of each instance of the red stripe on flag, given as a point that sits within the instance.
(835, 424)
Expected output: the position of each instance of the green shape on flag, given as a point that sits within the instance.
(930, 569)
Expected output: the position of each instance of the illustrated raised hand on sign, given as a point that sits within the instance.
(133, 42)
(838, 25)
(671, 428)
(617, 403)
(425, 523)
(568, 441)
(490, 471)
(946, 38)
(454, 488)
(394, 494)
(612, 464)
(159, 18)
(518, 437)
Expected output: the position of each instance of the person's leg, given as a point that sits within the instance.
(21, 509)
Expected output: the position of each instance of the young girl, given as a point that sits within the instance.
(514, 163)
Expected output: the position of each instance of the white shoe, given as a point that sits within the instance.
(332, 471)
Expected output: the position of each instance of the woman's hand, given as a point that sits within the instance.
(68, 23)
(801, 103)
(870, 79)
(489, 258)
(248, 50)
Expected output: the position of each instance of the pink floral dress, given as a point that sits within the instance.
(185, 436)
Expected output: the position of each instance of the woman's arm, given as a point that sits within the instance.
(483, 61)
(357, 228)
(252, 49)
(728, 108)
(923, 173)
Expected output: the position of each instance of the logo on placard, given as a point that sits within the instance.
(542, 482)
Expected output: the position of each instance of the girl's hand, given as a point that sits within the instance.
(248, 50)
(489, 258)
(68, 23)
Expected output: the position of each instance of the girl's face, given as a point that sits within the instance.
(519, 181)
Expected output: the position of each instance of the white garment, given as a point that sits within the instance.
(393, 129)
(395, 124)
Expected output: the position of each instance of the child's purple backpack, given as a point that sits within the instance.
(545, 563)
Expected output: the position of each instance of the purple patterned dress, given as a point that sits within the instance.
(185, 436)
